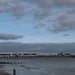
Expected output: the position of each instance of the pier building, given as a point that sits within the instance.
(26, 54)
(16, 55)
(5, 55)
(29, 54)
(64, 54)
(33, 54)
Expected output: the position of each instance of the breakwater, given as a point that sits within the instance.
(10, 62)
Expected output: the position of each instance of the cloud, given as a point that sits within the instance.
(37, 32)
(44, 8)
(15, 8)
(60, 3)
(61, 13)
(19, 24)
(70, 10)
(19, 8)
(61, 23)
(43, 13)
(4, 36)
(37, 47)
(41, 9)
(6, 24)
(66, 34)
(41, 24)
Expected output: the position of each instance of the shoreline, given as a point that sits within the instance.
(3, 73)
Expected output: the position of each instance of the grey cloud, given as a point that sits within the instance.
(41, 24)
(70, 10)
(4, 36)
(43, 4)
(44, 8)
(18, 24)
(61, 3)
(66, 34)
(61, 23)
(37, 47)
(4, 1)
(15, 8)
(61, 16)
(37, 32)
(41, 14)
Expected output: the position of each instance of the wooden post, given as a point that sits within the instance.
(14, 72)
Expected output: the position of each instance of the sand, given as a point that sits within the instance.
(3, 73)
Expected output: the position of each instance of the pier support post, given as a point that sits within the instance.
(14, 72)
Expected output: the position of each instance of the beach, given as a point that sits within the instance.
(3, 73)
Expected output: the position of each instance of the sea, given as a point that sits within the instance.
(50, 66)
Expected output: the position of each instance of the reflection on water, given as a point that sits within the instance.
(42, 66)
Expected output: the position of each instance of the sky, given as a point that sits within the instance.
(37, 26)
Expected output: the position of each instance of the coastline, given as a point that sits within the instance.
(3, 73)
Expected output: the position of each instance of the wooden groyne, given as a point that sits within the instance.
(14, 72)
(10, 62)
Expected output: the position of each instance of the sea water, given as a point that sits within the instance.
(52, 66)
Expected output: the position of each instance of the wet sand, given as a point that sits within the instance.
(3, 73)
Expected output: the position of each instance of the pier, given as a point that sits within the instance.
(34, 56)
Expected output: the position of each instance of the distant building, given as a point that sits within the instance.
(16, 55)
(64, 54)
(67, 54)
(5, 55)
